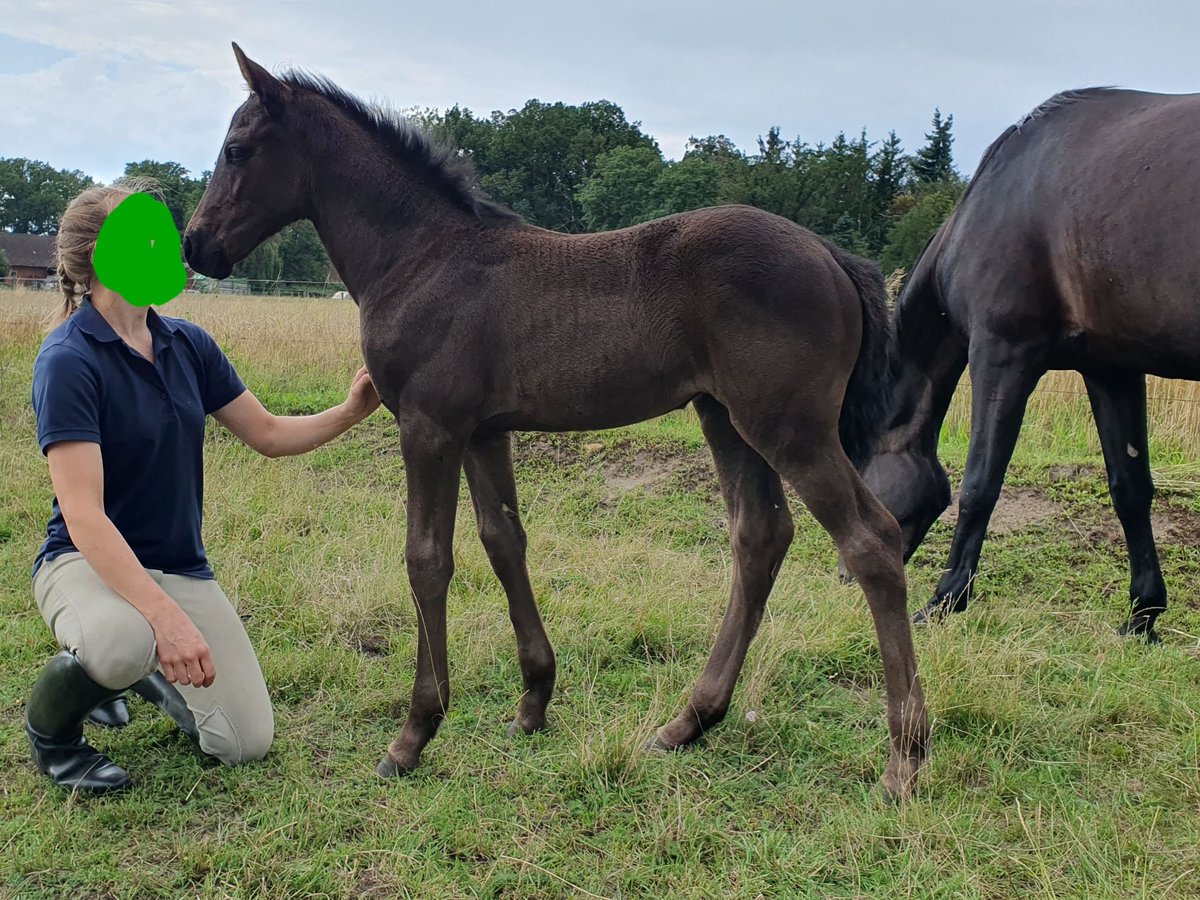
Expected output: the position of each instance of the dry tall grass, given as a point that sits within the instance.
(290, 336)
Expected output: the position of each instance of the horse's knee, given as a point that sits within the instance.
(430, 568)
(873, 551)
(1130, 493)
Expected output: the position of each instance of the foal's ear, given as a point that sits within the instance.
(269, 89)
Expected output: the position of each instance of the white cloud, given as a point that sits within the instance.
(157, 79)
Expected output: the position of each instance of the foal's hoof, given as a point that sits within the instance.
(844, 575)
(655, 744)
(389, 768)
(897, 788)
(894, 795)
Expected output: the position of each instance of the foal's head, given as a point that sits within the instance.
(279, 152)
(261, 182)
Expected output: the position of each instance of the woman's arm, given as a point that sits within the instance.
(77, 472)
(276, 436)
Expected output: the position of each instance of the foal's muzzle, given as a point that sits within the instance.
(205, 254)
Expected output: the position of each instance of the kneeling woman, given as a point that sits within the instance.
(121, 396)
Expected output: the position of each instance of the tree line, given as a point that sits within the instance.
(588, 168)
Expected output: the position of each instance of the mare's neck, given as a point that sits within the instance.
(930, 358)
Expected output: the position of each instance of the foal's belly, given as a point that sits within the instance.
(593, 409)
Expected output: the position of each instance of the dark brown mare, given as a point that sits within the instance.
(1076, 246)
(475, 324)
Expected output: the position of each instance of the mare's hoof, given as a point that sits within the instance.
(935, 611)
(389, 768)
(1140, 629)
(516, 729)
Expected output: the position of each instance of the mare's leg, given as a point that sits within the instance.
(868, 539)
(494, 496)
(433, 461)
(1119, 404)
(760, 531)
(1002, 378)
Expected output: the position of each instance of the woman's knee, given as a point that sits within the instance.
(239, 739)
(118, 654)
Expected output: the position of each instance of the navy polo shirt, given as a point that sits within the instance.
(148, 419)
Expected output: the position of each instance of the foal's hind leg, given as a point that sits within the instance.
(868, 539)
(760, 531)
(1119, 405)
(494, 495)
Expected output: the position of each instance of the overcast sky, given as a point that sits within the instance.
(93, 85)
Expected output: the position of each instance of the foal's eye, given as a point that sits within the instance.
(235, 154)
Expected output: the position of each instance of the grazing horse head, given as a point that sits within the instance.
(260, 183)
(913, 486)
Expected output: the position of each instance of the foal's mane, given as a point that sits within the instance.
(439, 163)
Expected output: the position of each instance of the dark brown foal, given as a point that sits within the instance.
(475, 324)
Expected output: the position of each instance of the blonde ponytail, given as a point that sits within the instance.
(77, 232)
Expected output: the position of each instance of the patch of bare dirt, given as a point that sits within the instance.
(368, 644)
(1019, 508)
(1172, 524)
(653, 471)
(1071, 472)
(371, 885)
(1176, 525)
(626, 466)
(641, 471)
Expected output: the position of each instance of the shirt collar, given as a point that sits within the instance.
(88, 319)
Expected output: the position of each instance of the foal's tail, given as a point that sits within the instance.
(869, 391)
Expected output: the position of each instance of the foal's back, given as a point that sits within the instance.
(600, 330)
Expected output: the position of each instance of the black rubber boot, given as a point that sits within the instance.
(155, 689)
(54, 714)
(112, 713)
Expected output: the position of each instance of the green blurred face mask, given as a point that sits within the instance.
(138, 254)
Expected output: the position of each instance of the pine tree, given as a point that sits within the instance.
(934, 162)
(888, 174)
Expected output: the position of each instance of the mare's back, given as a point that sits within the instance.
(1086, 217)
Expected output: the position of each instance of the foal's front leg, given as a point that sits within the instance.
(494, 494)
(433, 462)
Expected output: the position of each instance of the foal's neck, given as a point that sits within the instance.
(379, 221)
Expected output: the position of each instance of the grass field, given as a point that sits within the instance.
(1065, 762)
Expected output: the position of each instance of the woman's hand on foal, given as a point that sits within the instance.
(182, 650)
(363, 399)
